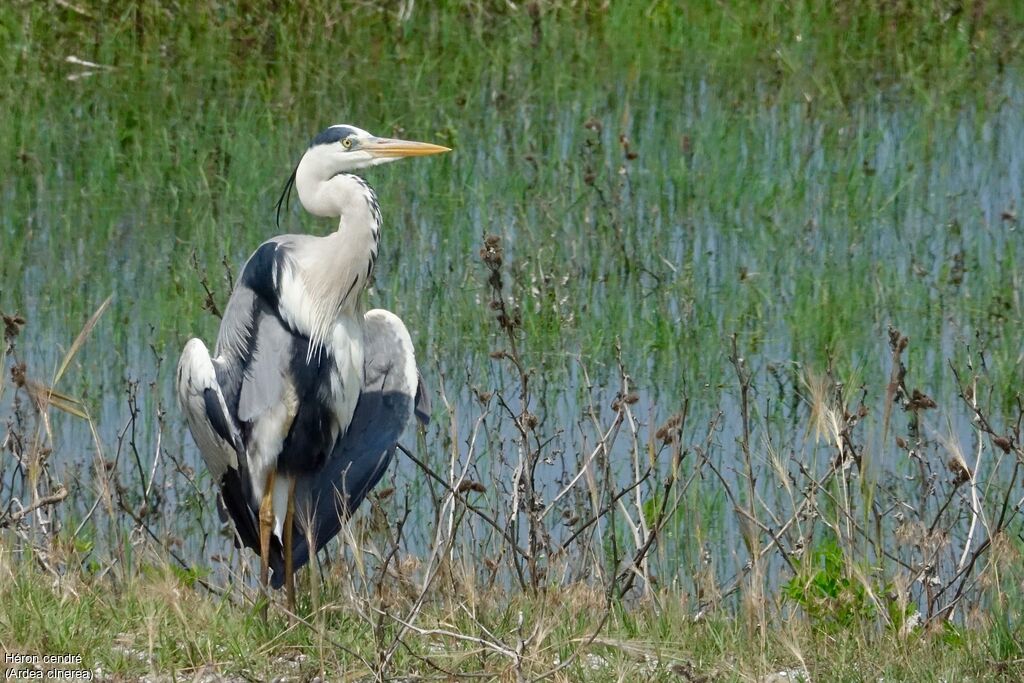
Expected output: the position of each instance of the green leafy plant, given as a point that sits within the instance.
(827, 591)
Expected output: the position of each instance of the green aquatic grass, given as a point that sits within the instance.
(748, 140)
(802, 175)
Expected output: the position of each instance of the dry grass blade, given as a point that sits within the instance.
(81, 338)
(45, 397)
(823, 421)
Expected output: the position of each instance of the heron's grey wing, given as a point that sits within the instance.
(260, 386)
(254, 335)
(266, 375)
(216, 433)
(209, 398)
(239, 384)
(360, 456)
(254, 298)
(212, 425)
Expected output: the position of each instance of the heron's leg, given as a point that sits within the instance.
(266, 528)
(289, 523)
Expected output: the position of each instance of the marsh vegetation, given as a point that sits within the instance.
(721, 306)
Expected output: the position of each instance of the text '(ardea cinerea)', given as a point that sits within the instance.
(298, 412)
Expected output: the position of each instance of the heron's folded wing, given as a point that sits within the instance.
(211, 423)
(250, 323)
(265, 376)
(238, 324)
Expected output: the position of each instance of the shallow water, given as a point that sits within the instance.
(805, 234)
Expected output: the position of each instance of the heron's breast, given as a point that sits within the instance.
(296, 303)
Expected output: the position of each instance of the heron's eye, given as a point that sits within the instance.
(347, 142)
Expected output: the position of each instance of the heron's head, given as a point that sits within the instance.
(342, 149)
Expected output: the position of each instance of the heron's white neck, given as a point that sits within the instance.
(336, 267)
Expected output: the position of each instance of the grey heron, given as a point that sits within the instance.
(299, 409)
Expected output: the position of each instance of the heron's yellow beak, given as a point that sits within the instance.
(391, 148)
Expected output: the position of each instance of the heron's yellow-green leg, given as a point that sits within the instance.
(266, 528)
(289, 523)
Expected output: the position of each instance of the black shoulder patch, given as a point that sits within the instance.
(332, 134)
(263, 270)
